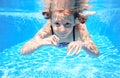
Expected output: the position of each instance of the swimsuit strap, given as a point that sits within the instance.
(74, 33)
(52, 30)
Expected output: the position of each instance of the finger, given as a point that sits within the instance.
(55, 38)
(79, 48)
(93, 47)
(53, 42)
(50, 43)
(70, 49)
(70, 45)
(76, 49)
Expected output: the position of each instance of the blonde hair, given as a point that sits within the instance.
(65, 6)
(61, 14)
(79, 5)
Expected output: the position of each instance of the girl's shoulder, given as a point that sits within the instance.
(45, 30)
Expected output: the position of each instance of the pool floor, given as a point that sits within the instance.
(52, 62)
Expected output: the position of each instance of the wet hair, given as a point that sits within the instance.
(61, 14)
(64, 12)
(61, 7)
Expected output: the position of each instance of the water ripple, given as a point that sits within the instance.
(52, 61)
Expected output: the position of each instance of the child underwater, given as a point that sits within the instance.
(65, 26)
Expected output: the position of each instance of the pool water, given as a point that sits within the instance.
(20, 22)
(52, 62)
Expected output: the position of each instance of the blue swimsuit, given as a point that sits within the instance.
(63, 44)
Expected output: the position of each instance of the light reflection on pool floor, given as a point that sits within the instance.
(52, 62)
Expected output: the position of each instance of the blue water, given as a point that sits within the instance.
(19, 22)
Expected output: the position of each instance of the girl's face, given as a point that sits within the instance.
(62, 25)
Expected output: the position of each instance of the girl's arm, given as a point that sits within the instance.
(88, 44)
(37, 41)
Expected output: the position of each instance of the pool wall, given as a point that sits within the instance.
(20, 20)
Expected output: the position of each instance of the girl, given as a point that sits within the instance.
(61, 29)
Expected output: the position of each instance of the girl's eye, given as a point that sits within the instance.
(68, 25)
(57, 24)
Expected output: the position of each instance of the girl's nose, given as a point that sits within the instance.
(62, 28)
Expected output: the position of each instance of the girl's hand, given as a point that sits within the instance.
(91, 47)
(52, 40)
(74, 48)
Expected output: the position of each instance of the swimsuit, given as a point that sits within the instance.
(63, 44)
